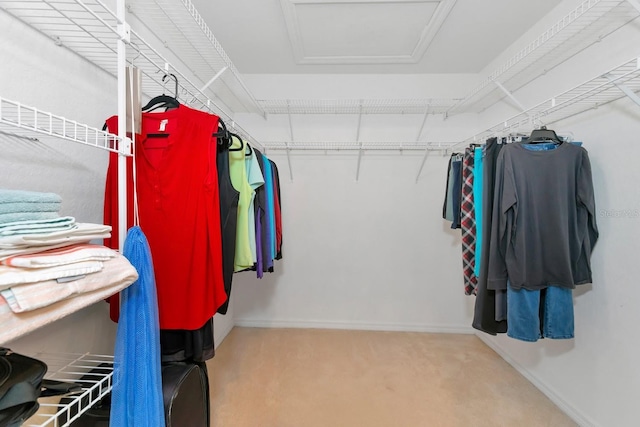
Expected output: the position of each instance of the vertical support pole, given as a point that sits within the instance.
(358, 140)
(122, 123)
(287, 144)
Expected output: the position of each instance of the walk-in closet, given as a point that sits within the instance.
(304, 213)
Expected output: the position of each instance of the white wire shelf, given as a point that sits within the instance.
(71, 368)
(90, 29)
(356, 106)
(588, 23)
(86, 27)
(185, 34)
(26, 122)
(358, 146)
(154, 66)
(591, 94)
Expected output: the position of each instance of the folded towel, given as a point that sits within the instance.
(37, 226)
(62, 256)
(84, 232)
(117, 274)
(6, 208)
(12, 217)
(11, 276)
(18, 196)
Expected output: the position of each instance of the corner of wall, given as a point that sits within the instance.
(580, 418)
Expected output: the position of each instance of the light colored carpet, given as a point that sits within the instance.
(321, 378)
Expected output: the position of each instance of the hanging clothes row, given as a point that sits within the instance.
(527, 218)
(194, 186)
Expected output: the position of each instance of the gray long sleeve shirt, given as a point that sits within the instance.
(544, 225)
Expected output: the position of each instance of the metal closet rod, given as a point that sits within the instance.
(360, 146)
(193, 92)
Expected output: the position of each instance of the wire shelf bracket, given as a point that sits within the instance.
(623, 80)
(588, 23)
(624, 89)
(287, 147)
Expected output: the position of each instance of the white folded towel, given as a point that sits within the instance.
(11, 276)
(82, 233)
(61, 256)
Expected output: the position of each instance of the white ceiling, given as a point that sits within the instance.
(368, 36)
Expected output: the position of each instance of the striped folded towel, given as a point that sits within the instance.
(61, 256)
(29, 207)
(117, 274)
(11, 217)
(11, 276)
(37, 226)
(30, 243)
(20, 196)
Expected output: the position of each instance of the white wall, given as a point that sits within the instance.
(371, 254)
(36, 72)
(368, 254)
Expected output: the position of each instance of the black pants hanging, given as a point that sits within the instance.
(484, 316)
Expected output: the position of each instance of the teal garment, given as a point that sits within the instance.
(545, 146)
(478, 182)
(270, 213)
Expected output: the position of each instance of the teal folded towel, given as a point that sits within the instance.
(37, 226)
(19, 196)
(23, 207)
(8, 218)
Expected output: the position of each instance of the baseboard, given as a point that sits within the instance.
(581, 419)
(227, 329)
(353, 325)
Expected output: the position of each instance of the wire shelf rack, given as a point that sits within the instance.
(86, 27)
(30, 123)
(588, 23)
(90, 29)
(357, 106)
(187, 36)
(93, 372)
(591, 94)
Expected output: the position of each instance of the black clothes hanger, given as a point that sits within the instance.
(164, 101)
(250, 153)
(543, 135)
(241, 143)
(223, 136)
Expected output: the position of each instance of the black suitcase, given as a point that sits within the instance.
(185, 388)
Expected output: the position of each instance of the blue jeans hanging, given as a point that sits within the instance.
(546, 313)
